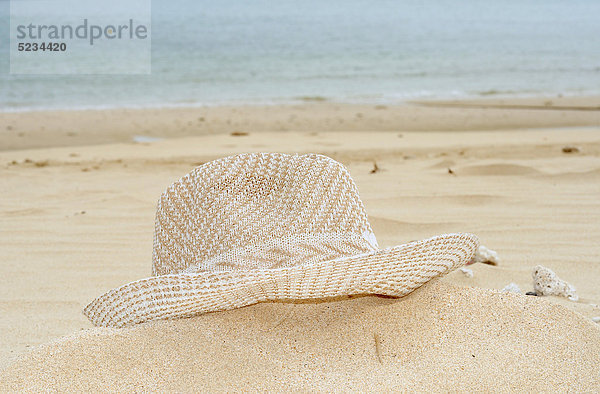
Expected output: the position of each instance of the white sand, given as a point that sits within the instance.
(517, 190)
(424, 342)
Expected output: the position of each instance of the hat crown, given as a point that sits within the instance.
(249, 200)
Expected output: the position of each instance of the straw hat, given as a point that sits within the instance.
(265, 227)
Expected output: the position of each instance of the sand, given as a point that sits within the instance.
(420, 342)
(23, 130)
(77, 220)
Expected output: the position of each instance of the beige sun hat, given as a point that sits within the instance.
(265, 227)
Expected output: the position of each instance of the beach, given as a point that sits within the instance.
(43, 129)
(80, 191)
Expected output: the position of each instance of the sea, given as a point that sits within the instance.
(263, 52)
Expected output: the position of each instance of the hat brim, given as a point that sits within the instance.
(394, 271)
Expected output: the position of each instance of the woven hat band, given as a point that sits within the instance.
(288, 252)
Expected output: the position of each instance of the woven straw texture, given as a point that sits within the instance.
(264, 227)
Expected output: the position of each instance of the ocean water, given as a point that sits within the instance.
(231, 52)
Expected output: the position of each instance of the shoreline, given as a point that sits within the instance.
(312, 99)
(360, 99)
(40, 129)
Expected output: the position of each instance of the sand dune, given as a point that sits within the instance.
(420, 342)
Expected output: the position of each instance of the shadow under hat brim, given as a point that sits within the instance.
(394, 271)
